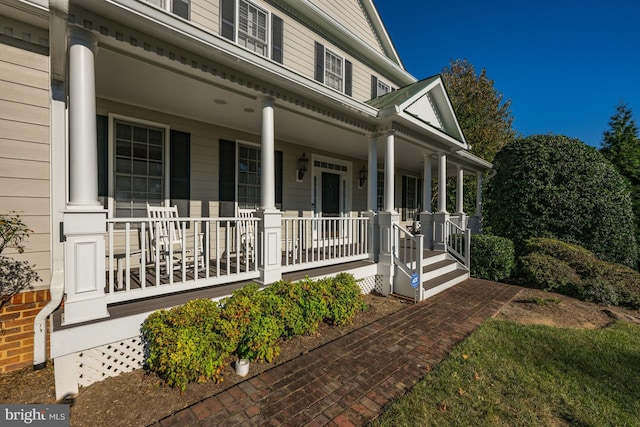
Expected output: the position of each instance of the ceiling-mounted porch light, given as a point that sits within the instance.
(220, 101)
(362, 177)
(303, 164)
(249, 110)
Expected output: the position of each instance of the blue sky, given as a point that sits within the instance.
(564, 64)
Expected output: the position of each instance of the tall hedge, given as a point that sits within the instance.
(558, 187)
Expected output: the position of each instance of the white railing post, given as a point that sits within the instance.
(467, 249)
(419, 261)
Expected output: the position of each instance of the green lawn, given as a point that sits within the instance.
(511, 374)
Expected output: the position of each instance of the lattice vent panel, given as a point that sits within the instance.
(368, 284)
(378, 286)
(110, 360)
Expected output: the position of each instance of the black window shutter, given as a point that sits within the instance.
(278, 170)
(348, 78)
(404, 198)
(180, 171)
(227, 178)
(181, 8)
(228, 19)
(102, 127)
(374, 87)
(319, 63)
(277, 42)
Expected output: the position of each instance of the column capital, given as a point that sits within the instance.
(267, 101)
(78, 35)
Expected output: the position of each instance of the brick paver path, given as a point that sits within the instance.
(348, 381)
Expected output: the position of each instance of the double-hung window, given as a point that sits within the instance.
(177, 7)
(333, 70)
(378, 87)
(252, 27)
(139, 168)
(248, 176)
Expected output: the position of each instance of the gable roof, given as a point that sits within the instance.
(426, 102)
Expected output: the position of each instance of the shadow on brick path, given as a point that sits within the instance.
(347, 382)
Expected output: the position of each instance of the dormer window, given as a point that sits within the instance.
(378, 87)
(252, 27)
(177, 7)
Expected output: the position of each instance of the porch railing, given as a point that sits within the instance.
(314, 242)
(200, 252)
(407, 252)
(458, 243)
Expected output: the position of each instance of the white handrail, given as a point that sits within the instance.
(458, 243)
(407, 253)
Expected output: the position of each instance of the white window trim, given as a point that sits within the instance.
(111, 153)
(342, 77)
(269, 30)
(167, 6)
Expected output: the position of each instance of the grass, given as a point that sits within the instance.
(540, 301)
(508, 374)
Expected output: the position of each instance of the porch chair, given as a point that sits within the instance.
(163, 224)
(247, 233)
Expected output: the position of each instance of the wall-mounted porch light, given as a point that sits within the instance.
(303, 164)
(362, 177)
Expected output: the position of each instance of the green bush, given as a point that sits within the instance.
(193, 342)
(188, 343)
(572, 270)
(492, 257)
(345, 299)
(558, 187)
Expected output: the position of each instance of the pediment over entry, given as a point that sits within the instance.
(427, 102)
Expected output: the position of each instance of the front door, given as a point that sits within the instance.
(330, 194)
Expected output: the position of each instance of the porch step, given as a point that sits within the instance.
(445, 281)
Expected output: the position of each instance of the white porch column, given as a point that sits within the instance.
(270, 249)
(389, 173)
(372, 194)
(372, 199)
(426, 216)
(441, 217)
(475, 221)
(84, 218)
(387, 219)
(460, 191)
(268, 185)
(442, 182)
(478, 194)
(83, 148)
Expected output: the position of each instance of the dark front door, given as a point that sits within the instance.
(330, 194)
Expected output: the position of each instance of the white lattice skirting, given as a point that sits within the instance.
(369, 284)
(109, 360)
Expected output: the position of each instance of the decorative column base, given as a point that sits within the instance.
(373, 236)
(426, 228)
(84, 249)
(440, 220)
(270, 245)
(386, 267)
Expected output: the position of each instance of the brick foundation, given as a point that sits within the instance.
(16, 329)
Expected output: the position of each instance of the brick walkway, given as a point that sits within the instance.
(347, 382)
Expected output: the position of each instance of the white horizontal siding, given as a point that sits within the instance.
(206, 14)
(24, 149)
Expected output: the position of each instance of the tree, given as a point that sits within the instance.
(484, 116)
(558, 187)
(620, 144)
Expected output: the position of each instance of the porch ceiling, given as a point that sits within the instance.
(182, 92)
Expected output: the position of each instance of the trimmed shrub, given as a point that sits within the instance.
(345, 299)
(188, 343)
(492, 257)
(558, 187)
(572, 270)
